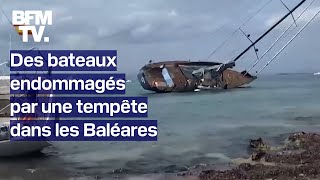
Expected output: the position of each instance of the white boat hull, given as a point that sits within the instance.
(16, 148)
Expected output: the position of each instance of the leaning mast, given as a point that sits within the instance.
(267, 32)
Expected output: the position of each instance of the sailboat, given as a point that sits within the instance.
(15, 148)
(183, 76)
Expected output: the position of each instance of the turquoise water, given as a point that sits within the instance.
(194, 128)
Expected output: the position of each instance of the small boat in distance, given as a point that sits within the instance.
(317, 74)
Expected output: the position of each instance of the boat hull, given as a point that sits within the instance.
(176, 76)
(17, 148)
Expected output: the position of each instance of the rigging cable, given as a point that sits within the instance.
(10, 22)
(223, 43)
(10, 43)
(288, 42)
(289, 10)
(6, 15)
(274, 43)
(248, 37)
(33, 48)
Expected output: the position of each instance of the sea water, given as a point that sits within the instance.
(198, 128)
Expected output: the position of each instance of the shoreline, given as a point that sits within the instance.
(297, 158)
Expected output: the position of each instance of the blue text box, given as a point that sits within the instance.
(129, 107)
(103, 83)
(84, 130)
(21, 60)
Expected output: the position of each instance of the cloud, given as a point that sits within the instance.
(140, 29)
(172, 13)
(159, 26)
(300, 18)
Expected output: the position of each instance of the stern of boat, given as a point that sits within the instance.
(235, 79)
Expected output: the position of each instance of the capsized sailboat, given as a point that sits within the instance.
(189, 76)
(183, 76)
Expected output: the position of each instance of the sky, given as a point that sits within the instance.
(161, 30)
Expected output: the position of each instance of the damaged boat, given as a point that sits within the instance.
(183, 76)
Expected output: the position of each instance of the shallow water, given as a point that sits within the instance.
(194, 129)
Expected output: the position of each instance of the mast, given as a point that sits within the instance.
(267, 32)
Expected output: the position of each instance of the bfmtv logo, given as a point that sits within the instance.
(26, 23)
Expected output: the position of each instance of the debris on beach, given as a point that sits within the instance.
(297, 158)
(31, 170)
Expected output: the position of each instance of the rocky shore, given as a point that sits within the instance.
(298, 158)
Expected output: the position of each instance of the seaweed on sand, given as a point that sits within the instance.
(298, 158)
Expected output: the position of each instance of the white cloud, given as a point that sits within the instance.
(142, 30)
(65, 19)
(172, 13)
(300, 20)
